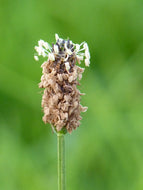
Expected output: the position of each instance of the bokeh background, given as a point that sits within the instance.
(106, 151)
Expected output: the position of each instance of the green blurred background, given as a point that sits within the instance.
(106, 151)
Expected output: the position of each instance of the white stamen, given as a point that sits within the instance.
(69, 51)
(77, 47)
(39, 50)
(79, 57)
(87, 54)
(43, 53)
(56, 37)
(40, 42)
(87, 62)
(67, 66)
(36, 58)
(46, 45)
(51, 56)
(56, 49)
(85, 46)
(81, 49)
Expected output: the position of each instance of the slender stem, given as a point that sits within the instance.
(61, 161)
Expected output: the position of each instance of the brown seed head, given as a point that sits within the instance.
(61, 75)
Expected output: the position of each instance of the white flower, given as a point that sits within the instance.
(80, 51)
(51, 56)
(67, 66)
(80, 54)
(36, 58)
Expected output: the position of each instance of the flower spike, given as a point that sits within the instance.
(61, 75)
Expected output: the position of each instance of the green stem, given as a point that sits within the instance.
(61, 161)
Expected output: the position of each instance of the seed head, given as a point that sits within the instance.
(61, 75)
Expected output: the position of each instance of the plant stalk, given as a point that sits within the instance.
(61, 161)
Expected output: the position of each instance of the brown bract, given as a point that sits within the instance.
(61, 98)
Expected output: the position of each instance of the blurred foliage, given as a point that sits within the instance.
(106, 152)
